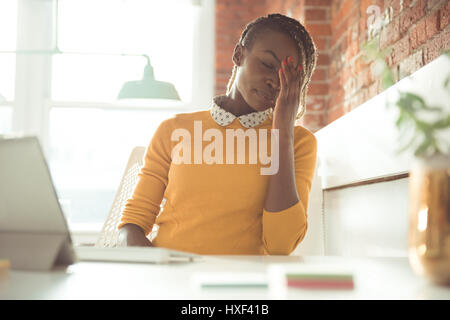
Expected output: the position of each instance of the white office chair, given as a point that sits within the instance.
(109, 233)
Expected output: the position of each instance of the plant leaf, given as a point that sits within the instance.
(433, 108)
(421, 150)
(447, 82)
(409, 144)
(442, 123)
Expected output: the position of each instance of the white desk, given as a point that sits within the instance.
(374, 278)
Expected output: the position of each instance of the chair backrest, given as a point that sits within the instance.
(109, 233)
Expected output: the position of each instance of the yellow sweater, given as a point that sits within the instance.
(217, 208)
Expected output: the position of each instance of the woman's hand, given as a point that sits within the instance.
(133, 235)
(287, 104)
(282, 190)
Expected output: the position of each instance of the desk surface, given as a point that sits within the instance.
(374, 278)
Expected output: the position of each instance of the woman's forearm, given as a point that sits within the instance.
(282, 191)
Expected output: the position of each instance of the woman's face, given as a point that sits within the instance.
(257, 76)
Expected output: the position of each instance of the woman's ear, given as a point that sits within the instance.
(238, 54)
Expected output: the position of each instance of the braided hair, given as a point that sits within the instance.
(293, 28)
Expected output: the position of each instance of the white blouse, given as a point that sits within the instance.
(224, 118)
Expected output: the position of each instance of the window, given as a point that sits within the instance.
(5, 120)
(87, 134)
(89, 150)
(90, 133)
(8, 23)
(161, 29)
(8, 27)
(7, 76)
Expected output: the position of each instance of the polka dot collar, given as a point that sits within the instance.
(224, 118)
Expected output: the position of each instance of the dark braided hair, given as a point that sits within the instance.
(293, 28)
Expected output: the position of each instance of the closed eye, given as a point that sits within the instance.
(267, 66)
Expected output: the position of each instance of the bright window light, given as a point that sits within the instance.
(88, 146)
(5, 119)
(93, 78)
(7, 76)
(88, 152)
(8, 25)
(8, 34)
(161, 29)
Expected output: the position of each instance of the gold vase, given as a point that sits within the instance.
(429, 229)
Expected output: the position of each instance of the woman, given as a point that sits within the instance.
(213, 207)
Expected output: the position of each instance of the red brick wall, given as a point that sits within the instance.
(231, 18)
(416, 30)
(315, 16)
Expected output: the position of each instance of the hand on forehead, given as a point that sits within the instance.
(277, 46)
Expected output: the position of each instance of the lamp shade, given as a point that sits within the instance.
(148, 88)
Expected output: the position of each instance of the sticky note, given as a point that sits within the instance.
(223, 280)
(302, 276)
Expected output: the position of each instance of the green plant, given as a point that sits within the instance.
(411, 107)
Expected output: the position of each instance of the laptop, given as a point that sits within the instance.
(34, 234)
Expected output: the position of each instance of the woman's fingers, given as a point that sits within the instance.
(290, 74)
(293, 77)
(283, 81)
(290, 80)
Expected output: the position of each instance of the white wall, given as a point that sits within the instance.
(372, 219)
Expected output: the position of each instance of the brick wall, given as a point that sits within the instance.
(231, 18)
(416, 31)
(315, 16)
